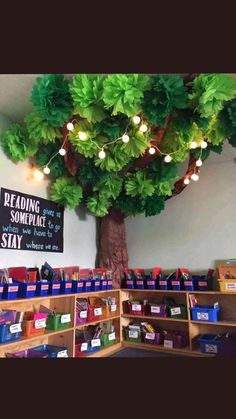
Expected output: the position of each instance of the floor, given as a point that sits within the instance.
(140, 353)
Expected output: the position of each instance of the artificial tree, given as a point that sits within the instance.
(115, 143)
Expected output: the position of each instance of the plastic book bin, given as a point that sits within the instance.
(42, 289)
(156, 338)
(205, 313)
(81, 348)
(190, 284)
(54, 287)
(228, 346)
(136, 309)
(177, 284)
(94, 345)
(103, 284)
(95, 313)
(164, 284)
(134, 336)
(178, 311)
(150, 284)
(58, 321)
(96, 284)
(109, 284)
(66, 287)
(10, 332)
(27, 289)
(139, 284)
(108, 339)
(52, 351)
(87, 286)
(130, 284)
(175, 340)
(227, 285)
(210, 343)
(34, 327)
(1, 291)
(77, 286)
(203, 284)
(10, 291)
(27, 353)
(157, 310)
(81, 317)
(113, 310)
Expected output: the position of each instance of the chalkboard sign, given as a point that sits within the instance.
(30, 223)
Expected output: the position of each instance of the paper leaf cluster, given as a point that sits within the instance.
(42, 157)
(139, 184)
(41, 130)
(16, 143)
(98, 205)
(65, 191)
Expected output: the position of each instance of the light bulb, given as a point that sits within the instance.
(194, 177)
(136, 119)
(125, 138)
(143, 128)
(46, 170)
(204, 144)
(70, 126)
(38, 175)
(193, 145)
(168, 158)
(186, 181)
(102, 154)
(82, 135)
(199, 163)
(62, 151)
(152, 150)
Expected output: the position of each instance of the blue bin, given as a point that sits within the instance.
(190, 284)
(96, 284)
(203, 284)
(109, 284)
(77, 286)
(87, 286)
(150, 284)
(205, 313)
(92, 348)
(52, 351)
(10, 291)
(177, 284)
(130, 284)
(1, 290)
(66, 287)
(164, 284)
(210, 343)
(7, 333)
(139, 284)
(103, 284)
(54, 287)
(42, 288)
(26, 289)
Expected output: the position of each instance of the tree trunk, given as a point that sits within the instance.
(111, 244)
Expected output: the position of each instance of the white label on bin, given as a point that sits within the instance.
(98, 311)
(202, 316)
(211, 348)
(112, 336)
(65, 318)
(84, 347)
(62, 354)
(175, 310)
(168, 343)
(136, 307)
(113, 307)
(83, 314)
(95, 342)
(150, 336)
(155, 309)
(40, 323)
(133, 334)
(230, 285)
(15, 328)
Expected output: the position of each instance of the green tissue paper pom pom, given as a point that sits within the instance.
(154, 205)
(124, 92)
(98, 205)
(88, 147)
(57, 166)
(129, 206)
(139, 184)
(16, 143)
(109, 185)
(52, 100)
(86, 91)
(41, 130)
(66, 192)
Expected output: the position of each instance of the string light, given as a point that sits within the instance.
(62, 151)
(82, 135)
(143, 128)
(136, 119)
(125, 138)
(193, 145)
(70, 126)
(168, 158)
(38, 175)
(203, 144)
(46, 170)
(195, 177)
(199, 163)
(102, 154)
(186, 181)
(152, 150)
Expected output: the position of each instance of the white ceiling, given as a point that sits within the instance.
(15, 93)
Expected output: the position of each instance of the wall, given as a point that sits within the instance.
(196, 229)
(79, 229)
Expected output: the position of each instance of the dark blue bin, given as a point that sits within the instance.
(66, 287)
(1, 290)
(77, 286)
(42, 288)
(10, 291)
(87, 286)
(103, 284)
(190, 284)
(8, 333)
(109, 284)
(139, 283)
(203, 284)
(26, 289)
(52, 351)
(54, 287)
(150, 284)
(91, 347)
(210, 343)
(96, 284)
(205, 313)
(130, 284)
(177, 284)
(164, 284)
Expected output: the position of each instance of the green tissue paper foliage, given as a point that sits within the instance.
(154, 205)
(88, 147)
(137, 144)
(57, 166)
(98, 205)
(139, 184)
(124, 92)
(16, 143)
(109, 185)
(66, 192)
(41, 130)
(115, 160)
(52, 100)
